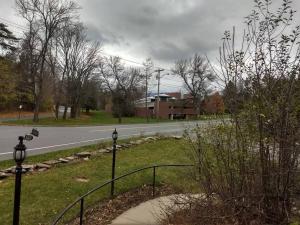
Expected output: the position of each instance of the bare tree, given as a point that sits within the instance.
(44, 18)
(56, 76)
(90, 99)
(250, 164)
(196, 75)
(123, 84)
(65, 41)
(79, 59)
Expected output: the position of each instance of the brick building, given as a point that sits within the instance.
(170, 106)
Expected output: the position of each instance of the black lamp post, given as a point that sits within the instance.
(20, 109)
(19, 157)
(114, 137)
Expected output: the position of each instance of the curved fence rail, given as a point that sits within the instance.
(80, 200)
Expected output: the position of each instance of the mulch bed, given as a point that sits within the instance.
(107, 210)
(205, 215)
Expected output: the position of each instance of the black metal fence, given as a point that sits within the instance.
(80, 200)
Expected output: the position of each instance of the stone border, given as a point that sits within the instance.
(85, 156)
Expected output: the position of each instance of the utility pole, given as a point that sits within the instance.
(158, 84)
(146, 97)
(148, 64)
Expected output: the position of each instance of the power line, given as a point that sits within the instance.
(138, 63)
(23, 28)
(127, 60)
(13, 24)
(167, 85)
(104, 53)
(168, 79)
(159, 68)
(16, 28)
(107, 54)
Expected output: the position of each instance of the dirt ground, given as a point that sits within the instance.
(107, 210)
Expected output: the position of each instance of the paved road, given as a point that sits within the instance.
(58, 138)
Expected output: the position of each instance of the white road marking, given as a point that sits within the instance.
(91, 140)
(6, 153)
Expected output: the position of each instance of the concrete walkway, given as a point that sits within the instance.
(152, 211)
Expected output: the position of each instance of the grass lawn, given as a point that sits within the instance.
(61, 154)
(45, 194)
(93, 118)
(97, 118)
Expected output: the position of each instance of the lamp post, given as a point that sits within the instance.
(20, 109)
(19, 157)
(114, 137)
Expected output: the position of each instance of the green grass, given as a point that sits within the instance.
(61, 154)
(98, 118)
(93, 118)
(47, 156)
(45, 194)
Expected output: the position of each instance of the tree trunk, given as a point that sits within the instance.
(196, 105)
(65, 112)
(57, 110)
(78, 112)
(73, 112)
(36, 109)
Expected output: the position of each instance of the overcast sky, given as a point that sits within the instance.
(165, 30)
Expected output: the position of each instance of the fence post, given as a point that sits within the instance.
(153, 184)
(81, 211)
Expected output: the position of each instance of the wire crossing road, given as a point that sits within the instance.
(58, 138)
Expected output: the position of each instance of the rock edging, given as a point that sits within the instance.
(46, 165)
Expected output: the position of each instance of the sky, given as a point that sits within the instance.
(164, 30)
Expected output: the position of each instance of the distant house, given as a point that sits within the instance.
(170, 106)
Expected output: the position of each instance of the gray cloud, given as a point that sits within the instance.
(104, 37)
(166, 30)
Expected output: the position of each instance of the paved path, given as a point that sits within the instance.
(58, 138)
(152, 211)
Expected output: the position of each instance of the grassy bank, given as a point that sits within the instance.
(96, 118)
(46, 194)
(61, 154)
(92, 118)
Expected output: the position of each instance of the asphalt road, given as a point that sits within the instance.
(59, 138)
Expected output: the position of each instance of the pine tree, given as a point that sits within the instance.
(7, 39)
